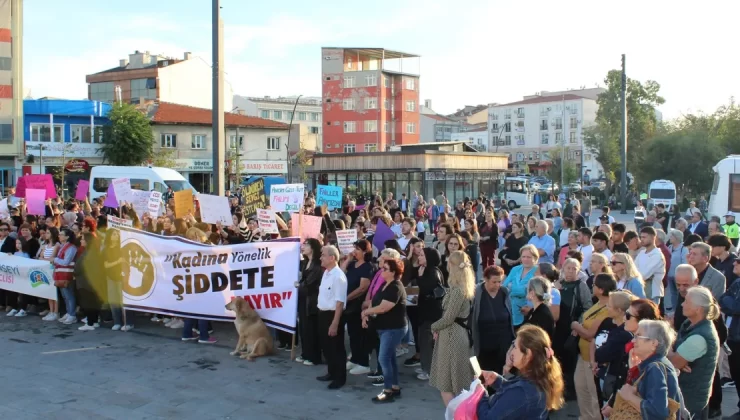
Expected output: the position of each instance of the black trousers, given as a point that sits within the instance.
(359, 344)
(715, 398)
(493, 359)
(333, 347)
(734, 360)
(413, 313)
(309, 331)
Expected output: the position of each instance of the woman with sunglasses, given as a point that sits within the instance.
(628, 277)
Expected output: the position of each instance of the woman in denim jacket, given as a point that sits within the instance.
(656, 378)
(539, 388)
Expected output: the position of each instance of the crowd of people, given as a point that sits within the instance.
(621, 321)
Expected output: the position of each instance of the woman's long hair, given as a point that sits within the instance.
(545, 372)
(461, 277)
(630, 269)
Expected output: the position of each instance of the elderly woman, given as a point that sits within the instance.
(493, 330)
(451, 370)
(696, 350)
(679, 252)
(628, 277)
(536, 391)
(552, 274)
(539, 293)
(607, 348)
(516, 281)
(571, 245)
(656, 383)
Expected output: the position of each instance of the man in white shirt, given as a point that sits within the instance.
(331, 303)
(600, 241)
(585, 247)
(651, 265)
(407, 232)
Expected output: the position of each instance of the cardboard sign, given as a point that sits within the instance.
(155, 202)
(35, 201)
(286, 197)
(331, 196)
(214, 209)
(146, 202)
(81, 192)
(346, 240)
(110, 198)
(117, 222)
(267, 222)
(184, 203)
(311, 227)
(253, 197)
(37, 182)
(122, 188)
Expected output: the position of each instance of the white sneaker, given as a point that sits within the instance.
(21, 313)
(155, 318)
(64, 318)
(12, 312)
(422, 377)
(71, 320)
(84, 320)
(400, 351)
(116, 327)
(166, 320)
(53, 316)
(299, 359)
(178, 323)
(351, 365)
(307, 363)
(96, 325)
(86, 328)
(44, 313)
(46, 317)
(127, 328)
(359, 370)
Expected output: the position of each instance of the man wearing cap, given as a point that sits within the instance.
(732, 230)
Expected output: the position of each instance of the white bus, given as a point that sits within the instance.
(661, 192)
(518, 191)
(726, 187)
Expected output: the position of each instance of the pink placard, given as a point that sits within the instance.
(110, 197)
(38, 182)
(311, 226)
(35, 201)
(81, 192)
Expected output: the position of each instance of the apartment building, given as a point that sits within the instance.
(370, 99)
(11, 92)
(437, 128)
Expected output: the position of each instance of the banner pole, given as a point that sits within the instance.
(300, 234)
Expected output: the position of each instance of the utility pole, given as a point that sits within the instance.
(287, 145)
(238, 171)
(624, 135)
(217, 89)
(562, 149)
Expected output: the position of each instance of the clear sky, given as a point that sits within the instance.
(475, 51)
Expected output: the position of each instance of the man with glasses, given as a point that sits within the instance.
(7, 244)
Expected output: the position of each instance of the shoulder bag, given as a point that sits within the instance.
(623, 410)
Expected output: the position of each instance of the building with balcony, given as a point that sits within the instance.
(370, 99)
(307, 127)
(476, 138)
(11, 92)
(61, 133)
(186, 132)
(144, 77)
(436, 128)
(531, 130)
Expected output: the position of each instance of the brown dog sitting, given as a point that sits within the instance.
(254, 338)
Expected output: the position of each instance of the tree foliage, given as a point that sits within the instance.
(128, 138)
(164, 158)
(569, 172)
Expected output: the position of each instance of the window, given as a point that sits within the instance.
(265, 113)
(277, 115)
(99, 135)
(573, 122)
(314, 116)
(289, 115)
(371, 148)
(507, 141)
(102, 91)
(349, 82)
(313, 130)
(558, 138)
(273, 143)
(543, 124)
(349, 62)
(371, 80)
(387, 127)
(558, 123)
(520, 124)
(80, 134)
(494, 117)
(371, 103)
(494, 128)
(371, 126)
(507, 114)
(198, 142)
(302, 116)
(519, 140)
(232, 142)
(544, 110)
(350, 127)
(6, 132)
(168, 140)
(520, 112)
(494, 140)
(545, 138)
(101, 184)
(573, 109)
(507, 127)
(42, 132)
(5, 63)
(410, 128)
(348, 104)
(349, 148)
(410, 84)
(386, 104)
(144, 88)
(410, 106)
(572, 136)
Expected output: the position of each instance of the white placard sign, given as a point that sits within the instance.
(117, 222)
(214, 209)
(267, 221)
(286, 197)
(346, 240)
(122, 188)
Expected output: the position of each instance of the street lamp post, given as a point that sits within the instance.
(287, 146)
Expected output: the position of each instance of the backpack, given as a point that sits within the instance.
(467, 324)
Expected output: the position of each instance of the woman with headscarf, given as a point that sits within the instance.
(430, 281)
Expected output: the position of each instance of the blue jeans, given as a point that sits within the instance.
(68, 293)
(187, 330)
(389, 340)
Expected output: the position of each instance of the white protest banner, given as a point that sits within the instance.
(140, 201)
(4, 210)
(27, 276)
(214, 209)
(346, 240)
(155, 202)
(117, 222)
(267, 221)
(173, 276)
(122, 188)
(286, 197)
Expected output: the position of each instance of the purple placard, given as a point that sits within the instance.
(382, 234)
(110, 198)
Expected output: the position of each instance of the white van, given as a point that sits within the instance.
(517, 191)
(142, 178)
(661, 192)
(726, 187)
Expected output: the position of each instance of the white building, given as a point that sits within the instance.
(529, 130)
(307, 116)
(437, 128)
(477, 138)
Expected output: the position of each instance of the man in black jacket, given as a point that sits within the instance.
(7, 244)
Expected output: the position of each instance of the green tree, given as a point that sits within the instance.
(569, 172)
(128, 138)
